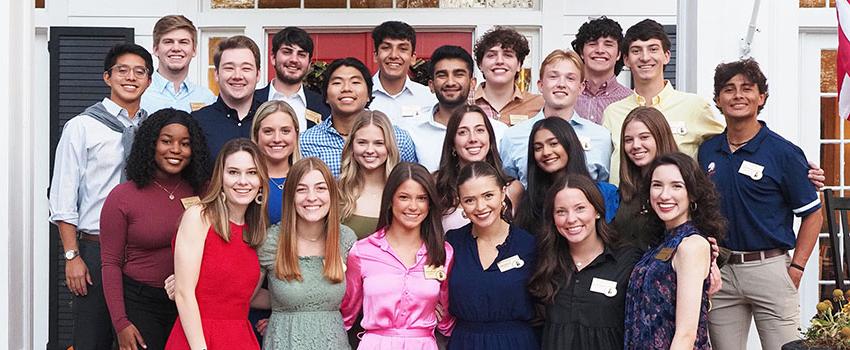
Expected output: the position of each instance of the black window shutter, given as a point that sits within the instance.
(670, 68)
(76, 82)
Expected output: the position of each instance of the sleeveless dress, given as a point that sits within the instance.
(228, 276)
(651, 297)
(305, 314)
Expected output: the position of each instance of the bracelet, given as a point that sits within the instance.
(798, 267)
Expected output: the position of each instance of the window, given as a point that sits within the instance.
(816, 3)
(370, 4)
(835, 146)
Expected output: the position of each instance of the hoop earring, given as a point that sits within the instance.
(643, 210)
(259, 198)
(463, 213)
(222, 197)
(694, 206)
(504, 207)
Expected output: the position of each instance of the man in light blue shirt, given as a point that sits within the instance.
(561, 75)
(174, 46)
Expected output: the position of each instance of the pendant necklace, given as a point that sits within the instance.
(170, 193)
(279, 185)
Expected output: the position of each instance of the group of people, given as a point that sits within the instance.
(379, 213)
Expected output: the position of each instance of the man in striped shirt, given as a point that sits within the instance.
(598, 44)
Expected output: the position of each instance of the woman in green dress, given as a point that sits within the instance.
(303, 257)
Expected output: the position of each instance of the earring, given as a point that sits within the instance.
(454, 154)
(223, 197)
(259, 198)
(598, 216)
(694, 206)
(643, 210)
(504, 207)
(463, 213)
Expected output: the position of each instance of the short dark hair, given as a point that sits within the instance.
(128, 48)
(447, 52)
(347, 62)
(602, 27)
(393, 30)
(236, 42)
(506, 37)
(643, 31)
(293, 36)
(749, 68)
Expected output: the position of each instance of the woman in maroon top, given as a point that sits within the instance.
(166, 168)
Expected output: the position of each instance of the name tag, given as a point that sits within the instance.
(664, 254)
(517, 118)
(604, 287)
(585, 143)
(678, 127)
(312, 116)
(511, 263)
(435, 273)
(190, 201)
(409, 111)
(753, 170)
(196, 105)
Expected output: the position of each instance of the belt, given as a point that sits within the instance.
(88, 237)
(744, 257)
(403, 332)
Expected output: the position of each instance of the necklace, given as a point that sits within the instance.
(279, 185)
(579, 264)
(314, 240)
(170, 193)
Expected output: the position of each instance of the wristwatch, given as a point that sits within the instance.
(71, 254)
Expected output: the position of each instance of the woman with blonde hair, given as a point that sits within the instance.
(215, 261)
(368, 157)
(303, 257)
(275, 131)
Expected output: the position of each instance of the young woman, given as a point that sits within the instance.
(493, 262)
(215, 262)
(398, 274)
(304, 257)
(646, 135)
(368, 157)
(168, 164)
(667, 299)
(581, 274)
(275, 131)
(470, 137)
(555, 150)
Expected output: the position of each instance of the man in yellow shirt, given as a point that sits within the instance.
(646, 49)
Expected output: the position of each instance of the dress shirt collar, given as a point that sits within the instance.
(574, 120)
(376, 85)
(662, 95)
(591, 89)
(231, 113)
(379, 239)
(160, 84)
(121, 113)
(607, 253)
(276, 95)
(479, 93)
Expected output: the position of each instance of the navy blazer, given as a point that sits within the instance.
(315, 102)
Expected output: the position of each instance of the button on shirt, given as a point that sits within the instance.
(523, 106)
(324, 142)
(760, 203)
(298, 102)
(87, 167)
(407, 103)
(161, 95)
(392, 295)
(514, 147)
(689, 116)
(221, 123)
(429, 135)
(593, 100)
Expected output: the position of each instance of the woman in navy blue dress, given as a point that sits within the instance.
(493, 262)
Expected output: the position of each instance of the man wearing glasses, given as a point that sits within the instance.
(90, 159)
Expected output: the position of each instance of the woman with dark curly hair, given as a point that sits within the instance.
(667, 300)
(166, 169)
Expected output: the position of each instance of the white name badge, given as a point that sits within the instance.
(678, 127)
(585, 143)
(604, 287)
(753, 170)
(511, 263)
(409, 111)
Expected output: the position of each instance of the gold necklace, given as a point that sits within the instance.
(170, 193)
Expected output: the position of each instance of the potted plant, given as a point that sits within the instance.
(830, 327)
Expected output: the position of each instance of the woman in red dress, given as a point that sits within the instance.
(215, 261)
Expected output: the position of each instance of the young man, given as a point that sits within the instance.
(763, 184)
(451, 80)
(293, 50)
(237, 63)
(394, 93)
(346, 87)
(174, 46)
(500, 53)
(90, 159)
(646, 50)
(598, 43)
(561, 74)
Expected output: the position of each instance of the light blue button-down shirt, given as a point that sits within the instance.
(161, 95)
(597, 139)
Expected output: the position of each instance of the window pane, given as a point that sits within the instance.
(212, 46)
(232, 4)
(462, 3)
(829, 122)
(279, 4)
(417, 3)
(511, 3)
(830, 158)
(39, 4)
(831, 3)
(828, 81)
(362, 4)
(324, 4)
(812, 3)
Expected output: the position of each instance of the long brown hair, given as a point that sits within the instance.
(554, 262)
(268, 108)
(286, 260)
(631, 176)
(214, 204)
(431, 230)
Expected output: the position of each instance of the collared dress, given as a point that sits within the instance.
(398, 302)
(492, 309)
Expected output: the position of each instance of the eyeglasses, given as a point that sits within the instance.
(124, 71)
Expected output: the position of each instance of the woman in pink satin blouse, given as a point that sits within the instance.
(399, 274)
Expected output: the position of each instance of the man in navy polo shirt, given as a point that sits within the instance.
(761, 178)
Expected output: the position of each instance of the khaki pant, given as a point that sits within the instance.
(760, 290)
